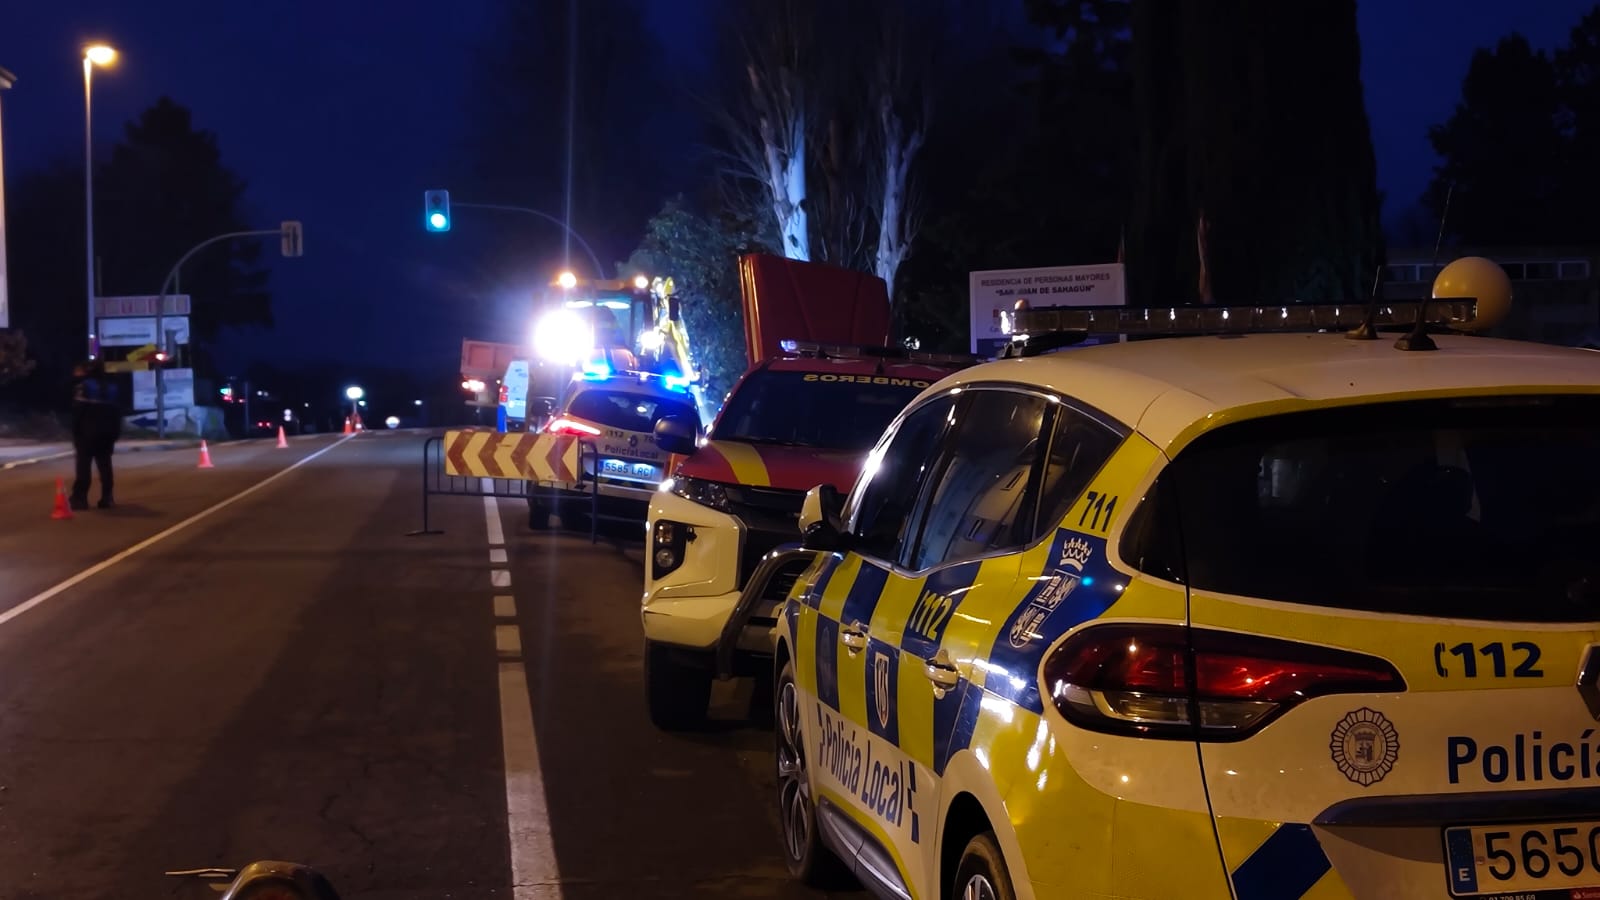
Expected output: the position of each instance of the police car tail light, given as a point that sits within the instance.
(568, 426)
(1172, 681)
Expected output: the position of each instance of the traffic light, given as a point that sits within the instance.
(293, 242)
(436, 210)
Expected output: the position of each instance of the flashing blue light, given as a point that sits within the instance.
(1088, 580)
(677, 383)
(789, 346)
(596, 370)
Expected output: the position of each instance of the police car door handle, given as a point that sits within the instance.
(854, 637)
(941, 671)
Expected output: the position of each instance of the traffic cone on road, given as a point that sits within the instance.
(62, 510)
(205, 456)
(282, 441)
(347, 426)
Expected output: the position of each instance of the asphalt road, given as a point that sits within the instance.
(255, 661)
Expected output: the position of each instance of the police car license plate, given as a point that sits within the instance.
(626, 467)
(1560, 859)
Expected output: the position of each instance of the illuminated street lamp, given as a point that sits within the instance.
(354, 393)
(567, 280)
(93, 55)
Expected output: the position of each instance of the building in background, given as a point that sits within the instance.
(6, 80)
(1555, 290)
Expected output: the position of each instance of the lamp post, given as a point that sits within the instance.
(354, 394)
(93, 55)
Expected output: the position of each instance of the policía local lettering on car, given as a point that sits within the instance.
(867, 379)
(1525, 757)
(888, 790)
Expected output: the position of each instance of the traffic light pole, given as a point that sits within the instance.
(599, 271)
(161, 305)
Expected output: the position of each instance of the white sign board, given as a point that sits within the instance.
(136, 332)
(122, 307)
(998, 290)
(177, 384)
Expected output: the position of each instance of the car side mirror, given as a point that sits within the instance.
(675, 434)
(821, 519)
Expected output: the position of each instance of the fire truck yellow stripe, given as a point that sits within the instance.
(748, 468)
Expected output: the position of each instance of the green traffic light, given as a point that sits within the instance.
(438, 221)
(436, 206)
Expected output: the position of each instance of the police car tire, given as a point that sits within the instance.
(816, 866)
(538, 516)
(676, 694)
(982, 863)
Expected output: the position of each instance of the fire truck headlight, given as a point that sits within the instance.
(563, 337)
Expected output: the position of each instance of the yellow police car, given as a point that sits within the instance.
(1246, 616)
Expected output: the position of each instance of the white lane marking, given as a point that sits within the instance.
(505, 606)
(491, 515)
(534, 875)
(105, 564)
(36, 459)
(500, 578)
(498, 555)
(507, 639)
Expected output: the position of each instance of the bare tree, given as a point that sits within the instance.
(770, 126)
(902, 102)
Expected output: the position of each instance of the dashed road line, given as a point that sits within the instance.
(497, 555)
(534, 873)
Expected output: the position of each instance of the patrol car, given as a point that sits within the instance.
(805, 417)
(1263, 615)
(613, 415)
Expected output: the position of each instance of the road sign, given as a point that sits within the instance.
(134, 331)
(545, 458)
(993, 294)
(177, 388)
(123, 307)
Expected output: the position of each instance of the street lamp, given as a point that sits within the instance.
(353, 393)
(567, 280)
(93, 55)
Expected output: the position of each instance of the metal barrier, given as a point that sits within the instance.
(436, 482)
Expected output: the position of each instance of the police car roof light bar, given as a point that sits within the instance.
(1032, 325)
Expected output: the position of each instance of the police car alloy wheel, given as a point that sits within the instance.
(808, 858)
(981, 874)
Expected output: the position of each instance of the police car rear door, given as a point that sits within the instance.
(1394, 634)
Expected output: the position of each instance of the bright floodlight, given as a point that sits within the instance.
(641, 282)
(651, 339)
(354, 393)
(563, 337)
(567, 280)
(437, 220)
(100, 54)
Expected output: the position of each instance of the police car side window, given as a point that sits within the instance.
(1079, 446)
(887, 501)
(985, 495)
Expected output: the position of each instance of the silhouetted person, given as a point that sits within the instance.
(96, 425)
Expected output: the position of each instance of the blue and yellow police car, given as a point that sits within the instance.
(1238, 615)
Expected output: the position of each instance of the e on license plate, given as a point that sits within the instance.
(1560, 859)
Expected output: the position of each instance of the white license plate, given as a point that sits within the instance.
(629, 468)
(1489, 860)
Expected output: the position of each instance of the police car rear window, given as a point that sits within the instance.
(1483, 509)
(630, 412)
(827, 410)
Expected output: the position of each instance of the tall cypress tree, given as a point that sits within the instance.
(1251, 117)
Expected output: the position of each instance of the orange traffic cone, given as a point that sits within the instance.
(347, 425)
(62, 510)
(282, 441)
(205, 456)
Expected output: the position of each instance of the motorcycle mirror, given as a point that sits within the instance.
(274, 880)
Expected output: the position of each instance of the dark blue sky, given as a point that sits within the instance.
(340, 114)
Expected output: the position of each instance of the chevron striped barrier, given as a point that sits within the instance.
(517, 456)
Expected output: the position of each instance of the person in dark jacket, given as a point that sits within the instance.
(96, 425)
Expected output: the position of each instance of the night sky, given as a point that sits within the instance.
(341, 118)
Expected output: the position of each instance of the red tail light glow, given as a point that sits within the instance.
(565, 425)
(504, 395)
(1172, 681)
